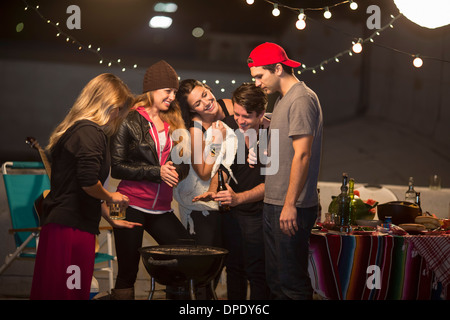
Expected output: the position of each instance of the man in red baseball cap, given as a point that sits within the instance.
(291, 198)
(269, 53)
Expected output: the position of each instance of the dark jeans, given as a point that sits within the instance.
(243, 238)
(165, 228)
(208, 232)
(287, 257)
(207, 228)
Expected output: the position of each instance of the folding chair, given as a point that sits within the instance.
(25, 182)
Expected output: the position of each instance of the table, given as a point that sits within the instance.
(380, 266)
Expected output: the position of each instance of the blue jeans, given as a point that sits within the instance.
(287, 256)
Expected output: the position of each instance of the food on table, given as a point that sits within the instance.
(430, 223)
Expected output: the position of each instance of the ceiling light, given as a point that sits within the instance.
(162, 22)
(429, 14)
(165, 7)
(198, 32)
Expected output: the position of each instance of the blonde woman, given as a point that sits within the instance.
(141, 157)
(73, 208)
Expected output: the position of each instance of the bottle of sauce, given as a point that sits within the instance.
(352, 205)
(222, 187)
(410, 194)
(343, 214)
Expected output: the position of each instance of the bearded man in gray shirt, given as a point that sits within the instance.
(291, 199)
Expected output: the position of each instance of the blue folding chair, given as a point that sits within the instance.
(25, 184)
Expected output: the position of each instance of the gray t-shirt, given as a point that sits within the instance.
(297, 113)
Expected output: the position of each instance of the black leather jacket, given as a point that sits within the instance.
(133, 152)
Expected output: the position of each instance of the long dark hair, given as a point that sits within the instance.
(186, 87)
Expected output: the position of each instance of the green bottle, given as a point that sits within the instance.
(351, 195)
(343, 200)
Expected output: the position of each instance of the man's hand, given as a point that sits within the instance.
(288, 220)
(228, 197)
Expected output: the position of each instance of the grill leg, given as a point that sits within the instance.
(213, 291)
(152, 288)
(192, 289)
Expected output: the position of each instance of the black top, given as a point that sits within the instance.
(79, 159)
(247, 177)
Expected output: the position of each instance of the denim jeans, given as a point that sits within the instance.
(287, 256)
(243, 237)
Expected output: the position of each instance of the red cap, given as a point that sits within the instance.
(270, 53)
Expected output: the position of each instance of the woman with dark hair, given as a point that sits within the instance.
(202, 111)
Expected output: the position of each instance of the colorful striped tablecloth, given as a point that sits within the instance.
(379, 267)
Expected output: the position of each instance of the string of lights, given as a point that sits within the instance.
(357, 47)
(97, 50)
(357, 44)
(70, 39)
(300, 24)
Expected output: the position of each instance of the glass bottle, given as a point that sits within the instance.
(343, 206)
(417, 201)
(352, 206)
(410, 194)
(222, 187)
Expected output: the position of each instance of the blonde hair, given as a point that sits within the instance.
(97, 102)
(172, 116)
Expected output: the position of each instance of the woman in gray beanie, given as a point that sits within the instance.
(141, 158)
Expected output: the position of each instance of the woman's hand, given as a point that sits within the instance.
(117, 223)
(117, 197)
(121, 224)
(218, 126)
(207, 196)
(169, 174)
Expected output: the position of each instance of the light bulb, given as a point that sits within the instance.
(327, 13)
(275, 11)
(353, 5)
(417, 62)
(428, 14)
(301, 15)
(300, 24)
(357, 47)
(250, 2)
